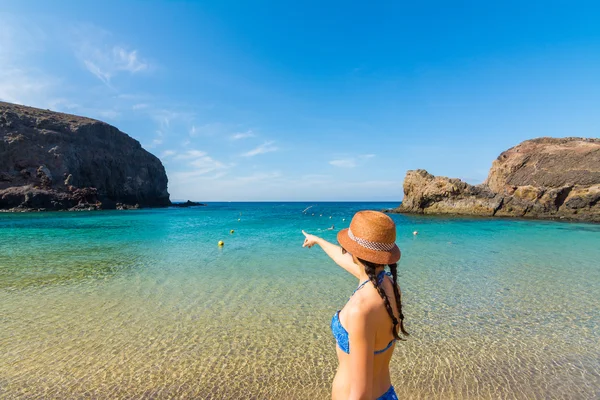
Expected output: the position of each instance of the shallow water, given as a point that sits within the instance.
(144, 304)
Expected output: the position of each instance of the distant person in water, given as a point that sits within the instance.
(332, 227)
(367, 328)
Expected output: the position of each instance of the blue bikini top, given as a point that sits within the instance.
(341, 334)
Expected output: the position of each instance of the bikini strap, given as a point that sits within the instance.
(386, 347)
(380, 277)
(360, 286)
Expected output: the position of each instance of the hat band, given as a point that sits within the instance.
(378, 246)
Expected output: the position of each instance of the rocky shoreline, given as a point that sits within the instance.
(544, 178)
(55, 161)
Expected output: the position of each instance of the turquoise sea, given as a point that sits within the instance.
(144, 304)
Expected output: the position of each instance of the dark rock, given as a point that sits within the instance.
(188, 204)
(539, 178)
(56, 161)
(121, 206)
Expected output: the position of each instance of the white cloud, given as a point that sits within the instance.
(211, 129)
(165, 118)
(110, 114)
(168, 153)
(266, 147)
(259, 176)
(242, 135)
(106, 64)
(63, 104)
(218, 129)
(190, 154)
(197, 165)
(95, 70)
(351, 162)
(206, 164)
(139, 106)
(343, 163)
(104, 59)
(128, 60)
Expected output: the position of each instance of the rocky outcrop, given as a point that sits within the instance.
(539, 178)
(55, 161)
(188, 203)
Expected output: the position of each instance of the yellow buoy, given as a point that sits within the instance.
(231, 231)
(221, 243)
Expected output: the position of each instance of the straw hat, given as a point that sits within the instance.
(371, 237)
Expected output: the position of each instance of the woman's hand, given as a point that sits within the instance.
(309, 240)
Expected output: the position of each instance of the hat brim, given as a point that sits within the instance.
(374, 256)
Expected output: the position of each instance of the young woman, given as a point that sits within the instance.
(366, 329)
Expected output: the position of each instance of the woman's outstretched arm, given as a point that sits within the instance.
(334, 252)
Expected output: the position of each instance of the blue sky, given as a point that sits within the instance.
(310, 100)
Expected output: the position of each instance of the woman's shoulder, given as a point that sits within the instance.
(359, 313)
(364, 301)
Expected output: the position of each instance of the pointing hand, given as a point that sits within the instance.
(309, 240)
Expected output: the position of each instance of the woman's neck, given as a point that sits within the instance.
(363, 274)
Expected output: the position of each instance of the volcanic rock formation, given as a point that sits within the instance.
(539, 178)
(55, 161)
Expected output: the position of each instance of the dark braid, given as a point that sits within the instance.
(370, 270)
(398, 296)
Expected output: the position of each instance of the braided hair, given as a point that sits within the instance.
(370, 270)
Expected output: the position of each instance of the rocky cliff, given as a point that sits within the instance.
(539, 178)
(55, 161)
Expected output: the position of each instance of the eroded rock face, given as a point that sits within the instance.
(539, 178)
(55, 161)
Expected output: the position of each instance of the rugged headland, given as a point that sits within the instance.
(55, 161)
(539, 178)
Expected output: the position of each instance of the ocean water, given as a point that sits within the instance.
(144, 304)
